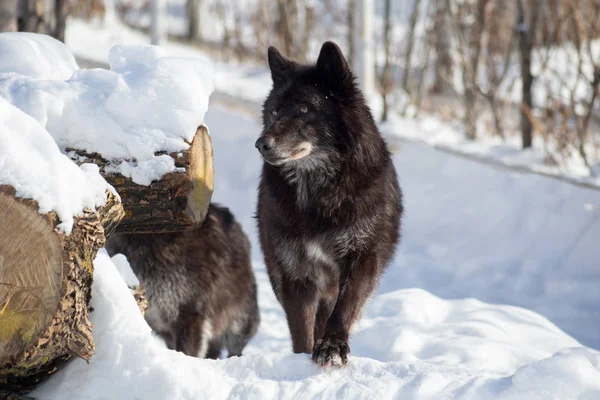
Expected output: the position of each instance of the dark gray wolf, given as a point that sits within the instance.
(200, 285)
(329, 203)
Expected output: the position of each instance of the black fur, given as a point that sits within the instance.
(329, 203)
(200, 285)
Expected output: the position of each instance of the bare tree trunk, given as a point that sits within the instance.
(222, 14)
(351, 27)
(262, 25)
(61, 10)
(471, 89)
(197, 11)
(240, 50)
(586, 119)
(364, 62)
(421, 85)
(285, 25)
(192, 9)
(48, 17)
(31, 16)
(309, 24)
(385, 76)
(410, 45)
(443, 60)
(527, 33)
(8, 15)
(493, 102)
(158, 29)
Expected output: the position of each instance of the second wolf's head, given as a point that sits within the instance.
(307, 114)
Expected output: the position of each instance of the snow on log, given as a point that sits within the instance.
(172, 203)
(54, 217)
(137, 121)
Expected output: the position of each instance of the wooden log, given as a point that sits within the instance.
(171, 204)
(45, 287)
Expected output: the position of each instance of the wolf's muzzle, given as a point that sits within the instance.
(265, 144)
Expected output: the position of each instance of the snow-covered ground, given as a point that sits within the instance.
(473, 236)
(410, 344)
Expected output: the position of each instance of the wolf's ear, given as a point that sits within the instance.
(334, 66)
(281, 67)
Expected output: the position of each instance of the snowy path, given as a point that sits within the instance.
(470, 230)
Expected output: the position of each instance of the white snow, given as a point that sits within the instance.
(148, 102)
(410, 344)
(447, 136)
(31, 162)
(35, 56)
(125, 270)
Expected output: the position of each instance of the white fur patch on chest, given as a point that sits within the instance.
(315, 251)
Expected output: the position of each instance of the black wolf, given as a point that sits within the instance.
(329, 203)
(200, 285)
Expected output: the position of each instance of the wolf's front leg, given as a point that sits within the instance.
(356, 285)
(300, 301)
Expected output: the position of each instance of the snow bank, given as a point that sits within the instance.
(427, 348)
(148, 102)
(35, 56)
(31, 162)
(450, 137)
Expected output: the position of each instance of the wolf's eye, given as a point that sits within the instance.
(303, 109)
(274, 113)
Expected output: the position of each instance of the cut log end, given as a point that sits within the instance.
(201, 175)
(31, 273)
(45, 287)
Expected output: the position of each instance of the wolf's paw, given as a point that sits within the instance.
(331, 352)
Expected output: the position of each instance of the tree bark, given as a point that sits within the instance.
(385, 75)
(171, 204)
(351, 27)
(410, 45)
(196, 13)
(45, 287)
(61, 10)
(8, 15)
(30, 16)
(472, 70)
(192, 8)
(443, 59)
(48, 17)
(527, 31)
(285, 25)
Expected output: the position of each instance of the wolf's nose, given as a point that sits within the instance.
(265, 143)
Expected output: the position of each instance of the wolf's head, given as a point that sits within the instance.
(304, 113)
